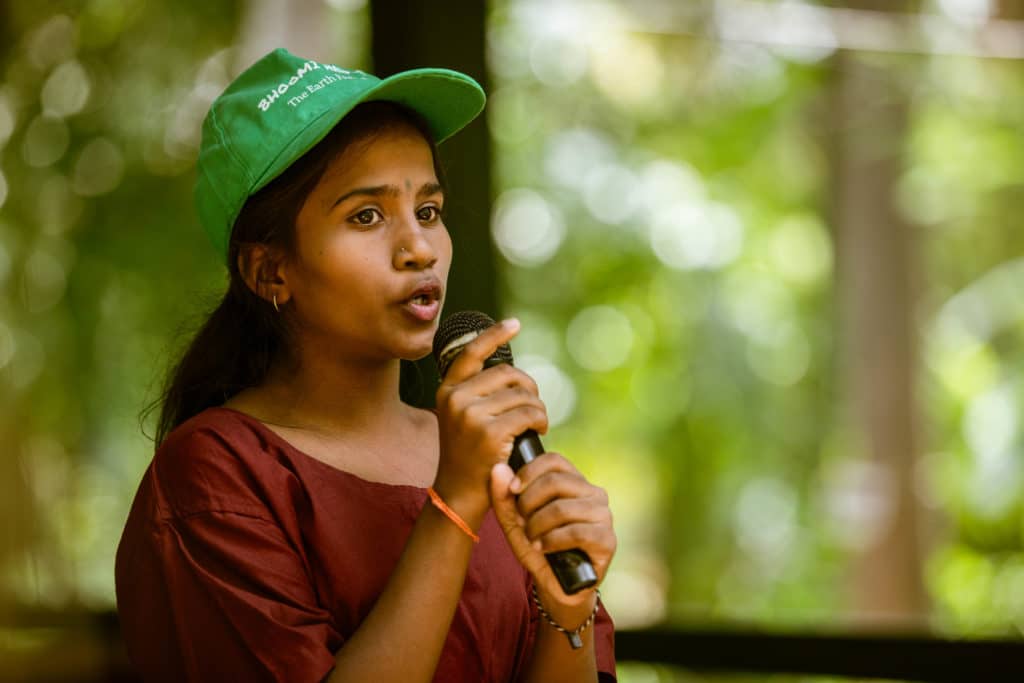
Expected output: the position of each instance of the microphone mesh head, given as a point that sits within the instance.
(459, 329)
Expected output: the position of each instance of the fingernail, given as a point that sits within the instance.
(515, 485)
(537, 545)
(511, 323)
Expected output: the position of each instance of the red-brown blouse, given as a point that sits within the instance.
(244, 559)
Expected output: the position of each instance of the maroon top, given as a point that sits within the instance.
(246, 559)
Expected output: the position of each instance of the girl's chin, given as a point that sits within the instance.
(415, 346)
(417, 352)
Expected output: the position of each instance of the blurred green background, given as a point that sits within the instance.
(766, 254)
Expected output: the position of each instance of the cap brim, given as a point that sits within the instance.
(448, 100)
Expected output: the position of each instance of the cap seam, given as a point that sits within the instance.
(224, 203)
(215, 120)
(230, 209)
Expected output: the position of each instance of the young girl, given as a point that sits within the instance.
(299, 521)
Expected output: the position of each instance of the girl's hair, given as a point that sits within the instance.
(234, 348)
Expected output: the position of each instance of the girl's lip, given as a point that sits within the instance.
(430, 288)
(426, 312)
(424, 302)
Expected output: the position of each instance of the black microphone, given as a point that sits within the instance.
(572, 567)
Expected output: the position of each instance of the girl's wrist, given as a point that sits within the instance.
(568, 610)
(468, 507)
(568, 621)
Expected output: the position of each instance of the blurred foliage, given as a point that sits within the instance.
(98, 109)
(104, 266)
(682, 303)
(660, 211)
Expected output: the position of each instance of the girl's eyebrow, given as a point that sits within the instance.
(374, 191)
(426, 190)
(430, 189)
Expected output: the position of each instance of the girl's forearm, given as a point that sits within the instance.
(402, 637)
(554, 660)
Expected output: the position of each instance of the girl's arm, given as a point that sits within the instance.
(556, 509)
(402, 637)
(479, 414)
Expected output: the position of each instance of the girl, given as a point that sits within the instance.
(299, 521)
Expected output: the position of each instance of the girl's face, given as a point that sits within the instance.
(371, 252)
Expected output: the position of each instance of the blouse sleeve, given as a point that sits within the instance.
(213, 590)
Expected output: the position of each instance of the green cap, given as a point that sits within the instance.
(282, 105)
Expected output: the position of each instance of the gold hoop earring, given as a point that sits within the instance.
(275, 304)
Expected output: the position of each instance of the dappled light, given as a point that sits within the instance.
(690, 167)
(767, 259)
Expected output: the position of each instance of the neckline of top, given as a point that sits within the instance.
(279, 440)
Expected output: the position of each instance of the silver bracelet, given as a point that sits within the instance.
(574, 636)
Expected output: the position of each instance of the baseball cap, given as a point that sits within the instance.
(282, 105)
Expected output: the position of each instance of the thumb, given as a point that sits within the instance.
(502, 499)
(512, 523)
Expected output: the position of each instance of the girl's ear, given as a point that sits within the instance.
(261, 267)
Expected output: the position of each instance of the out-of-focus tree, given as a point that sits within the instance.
(876, 300)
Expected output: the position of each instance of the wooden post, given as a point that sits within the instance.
(876, 294)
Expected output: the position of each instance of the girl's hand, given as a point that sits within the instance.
(479, 414)
(557, 509)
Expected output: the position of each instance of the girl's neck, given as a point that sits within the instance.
(331, 398)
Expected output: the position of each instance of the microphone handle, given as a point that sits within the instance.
(572, 568)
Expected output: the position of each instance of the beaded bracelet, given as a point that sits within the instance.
(574, 636)
(451, 514)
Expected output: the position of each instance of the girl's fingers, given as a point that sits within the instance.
(494, 379)
(551, 477)
(504, 504)
(470, 360)
(564, 512)
(594, 538)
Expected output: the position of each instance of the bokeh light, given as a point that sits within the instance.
(527, 228)
(666, 178)
(46, 140)
(66, 91)
(600, 338)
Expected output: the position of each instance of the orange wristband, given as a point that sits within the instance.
(451, 514)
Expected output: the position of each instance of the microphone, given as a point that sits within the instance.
(572, 568)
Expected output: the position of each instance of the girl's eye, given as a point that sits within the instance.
(366, 217)
(428, 214)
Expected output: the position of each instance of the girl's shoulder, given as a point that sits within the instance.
(220, 459)
(219, 428)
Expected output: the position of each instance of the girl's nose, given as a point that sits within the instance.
(414, 251)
